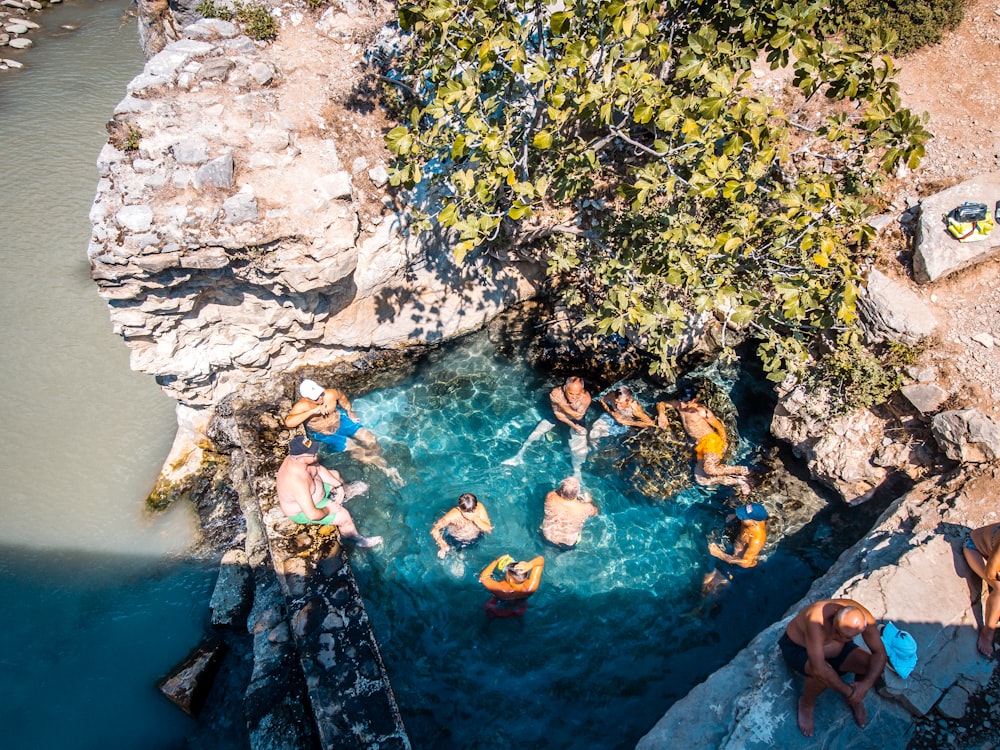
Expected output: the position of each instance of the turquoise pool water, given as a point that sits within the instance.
(618, 629)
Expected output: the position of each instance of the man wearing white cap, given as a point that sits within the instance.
(328, 418)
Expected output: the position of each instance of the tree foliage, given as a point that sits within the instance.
(632, 134)
(916, 23)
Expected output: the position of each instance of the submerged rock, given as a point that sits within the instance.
(188, 684)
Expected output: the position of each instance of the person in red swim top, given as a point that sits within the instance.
(520, 581)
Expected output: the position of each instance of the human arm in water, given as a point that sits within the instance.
(507, 589)
(439, 526)
(747, 548)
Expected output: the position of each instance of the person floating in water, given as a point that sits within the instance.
(308, 492)
(624, 409)
(520, 581)
(621, 412)
(747, 546)
(566, 510)
(329, 419)
(710, 443)
(464, 524)
(819, 644)
(751, 539)
(982, 553)
(570, 402)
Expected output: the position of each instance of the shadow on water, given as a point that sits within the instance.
(83, 633)
(619, 628)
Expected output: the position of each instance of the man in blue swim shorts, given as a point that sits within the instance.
(308, 492)
(328, 418)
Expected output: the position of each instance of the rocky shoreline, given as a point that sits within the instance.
(16, 26)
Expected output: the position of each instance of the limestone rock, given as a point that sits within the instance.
(925, 397)
(967, 435)
(231, 245)
(892, 312)
(937, 253)
(231, 598)
(839, 451)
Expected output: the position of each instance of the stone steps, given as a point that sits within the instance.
(348, 688)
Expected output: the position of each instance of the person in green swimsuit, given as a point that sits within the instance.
(308, 492)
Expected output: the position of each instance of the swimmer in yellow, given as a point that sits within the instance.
(710, 443)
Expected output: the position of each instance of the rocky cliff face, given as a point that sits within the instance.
(241, 228)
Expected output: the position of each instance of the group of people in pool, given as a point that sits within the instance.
(309, 492)
(568, 506)
(817, 643)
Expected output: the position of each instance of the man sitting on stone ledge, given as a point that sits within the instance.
(982, 553)
(818, 643)
(308, 492)
(710, 439)
(329, 419)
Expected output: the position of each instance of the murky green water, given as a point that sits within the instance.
(618, 629)
(97, 603)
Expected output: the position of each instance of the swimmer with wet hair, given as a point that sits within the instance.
(566, 510)
(623, 407)
(464, 524)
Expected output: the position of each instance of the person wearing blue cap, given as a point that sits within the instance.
(308, 492)
(750, 540)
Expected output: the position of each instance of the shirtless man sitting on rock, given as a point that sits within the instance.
(308, 492)
(710, 443)
(819, 644)
(328, 418)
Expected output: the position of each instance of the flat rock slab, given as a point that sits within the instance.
(909, 570)
(938, 253)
